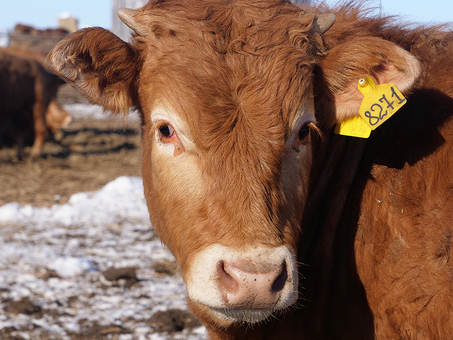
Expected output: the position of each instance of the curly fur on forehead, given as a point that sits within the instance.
(234, 70)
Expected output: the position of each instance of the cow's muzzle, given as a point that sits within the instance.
(243, 286)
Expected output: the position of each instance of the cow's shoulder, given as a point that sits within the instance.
(404, 236)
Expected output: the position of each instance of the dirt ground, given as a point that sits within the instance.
(84, 157)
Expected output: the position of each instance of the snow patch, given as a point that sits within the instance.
(118, 201)
(55, 258)
(80, 111)
(71, 266)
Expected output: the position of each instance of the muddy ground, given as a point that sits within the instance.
(84, 157)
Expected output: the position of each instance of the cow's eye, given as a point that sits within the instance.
(167, 131)
(302, 136)
(167, 135)
(303, 132)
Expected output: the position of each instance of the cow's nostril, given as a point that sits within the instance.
(280, 281)
(226, 283)
(244, 284)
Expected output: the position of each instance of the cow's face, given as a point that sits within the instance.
(227, 106)
(225, 177)
(226, 158)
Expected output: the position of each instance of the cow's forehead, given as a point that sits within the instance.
(230, 72)
(227, 29)
(238, 75)
(218, 102)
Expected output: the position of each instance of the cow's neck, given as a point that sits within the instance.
(326, 246)
(336, 160)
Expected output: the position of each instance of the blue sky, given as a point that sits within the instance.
(420, 11)
(44, 13)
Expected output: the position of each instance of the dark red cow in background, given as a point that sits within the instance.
(283, 229)
(28, 111)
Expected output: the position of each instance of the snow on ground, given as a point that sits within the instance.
(55, 281)
(79, 111)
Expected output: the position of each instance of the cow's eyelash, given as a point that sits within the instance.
(303, 135)
(315, 128)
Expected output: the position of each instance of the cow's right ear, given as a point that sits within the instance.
(100, 65)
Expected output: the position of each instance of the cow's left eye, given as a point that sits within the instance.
(303, 132)
(302, 136)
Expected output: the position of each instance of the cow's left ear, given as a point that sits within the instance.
(100, 65)
(380, 59)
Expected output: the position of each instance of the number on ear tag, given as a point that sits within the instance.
(380, 102)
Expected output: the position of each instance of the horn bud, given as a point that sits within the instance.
(323, 22)
(126, 15)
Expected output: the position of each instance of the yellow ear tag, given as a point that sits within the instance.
(379, 103)
(354, 127)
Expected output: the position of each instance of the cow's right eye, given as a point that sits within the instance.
(166, 135)
(167, 131)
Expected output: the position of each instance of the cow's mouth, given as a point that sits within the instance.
(242, 315)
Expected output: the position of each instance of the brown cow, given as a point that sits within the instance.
(249, 187)
(20, 132)
(29, 111)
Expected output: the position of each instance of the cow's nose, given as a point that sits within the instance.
(243, 285)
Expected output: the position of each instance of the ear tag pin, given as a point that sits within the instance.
(379, 103)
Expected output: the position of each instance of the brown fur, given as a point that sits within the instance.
(370, 219)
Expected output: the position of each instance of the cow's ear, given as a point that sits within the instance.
(100, 65)
(380, 59)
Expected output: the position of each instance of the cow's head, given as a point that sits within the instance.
(225, 90)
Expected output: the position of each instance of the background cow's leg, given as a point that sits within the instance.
(39, 121)
(20, 141)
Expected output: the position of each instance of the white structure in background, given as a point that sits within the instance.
(124, 32)
(4, 38)
(67, 22)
